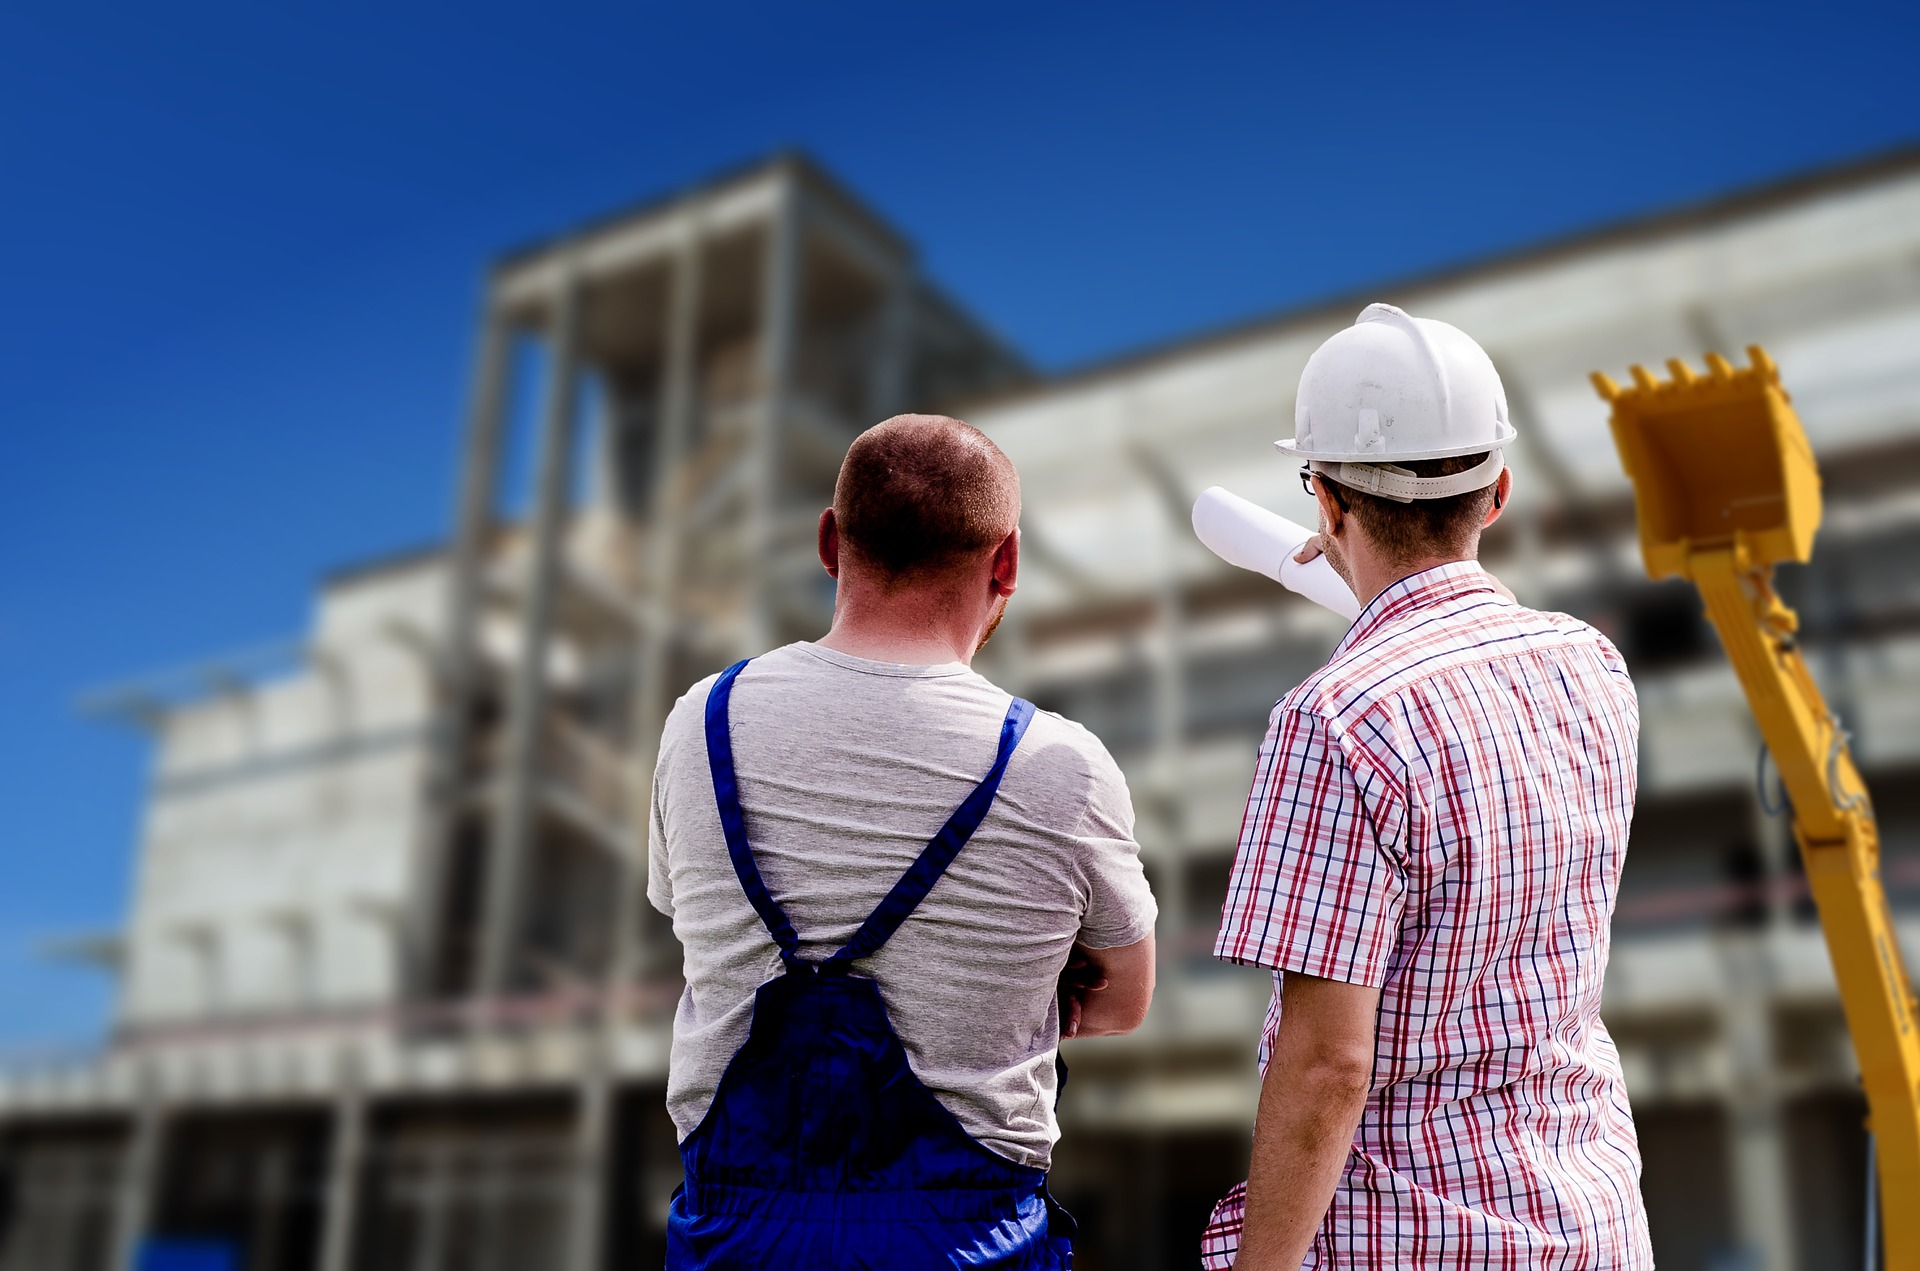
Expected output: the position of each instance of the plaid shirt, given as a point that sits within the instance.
(1441, 811)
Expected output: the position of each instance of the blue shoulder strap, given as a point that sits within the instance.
(913, 885)
(940, 850)
(726, 791)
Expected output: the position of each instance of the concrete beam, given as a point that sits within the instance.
(618, 249)
(882, 261)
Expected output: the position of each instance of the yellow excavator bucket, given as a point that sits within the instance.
(1714, 456)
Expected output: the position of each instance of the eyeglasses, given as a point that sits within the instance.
(1307, 475)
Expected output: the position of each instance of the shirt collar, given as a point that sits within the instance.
(1416, 591)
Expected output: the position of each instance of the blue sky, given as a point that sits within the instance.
(240, 247)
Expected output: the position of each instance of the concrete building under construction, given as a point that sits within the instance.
(390, 993)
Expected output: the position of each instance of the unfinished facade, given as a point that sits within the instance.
(391, 996)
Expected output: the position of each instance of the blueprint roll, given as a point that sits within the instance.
(1243, 533)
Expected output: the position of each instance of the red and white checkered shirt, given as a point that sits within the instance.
(1441, 811)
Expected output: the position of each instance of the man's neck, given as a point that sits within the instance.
(1373, 576)
(909, 628)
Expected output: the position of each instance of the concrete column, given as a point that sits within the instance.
(474, 519)
(653, 695)
(140, 1175)
(1528, 574)
(1153, 1199)
(513, 826)
(496, 1188)
(342, 1215)
(49, 1203)
(436, 1197)
(1012, 649)
(1169, 640)
(780, 299)
(1169, 669)
(610, 422)
(892, 363)
(1168, 794)
(1549, 479)
(1165, 797)
(651, 701)
(1543, 481)
(270, 1187)
(586, 1219)
(1762, 1180)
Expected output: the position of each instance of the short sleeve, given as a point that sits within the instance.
(659, 878)
(682, 745)
(1120, 905)
(1313, 889)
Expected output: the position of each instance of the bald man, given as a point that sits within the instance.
(880, 867)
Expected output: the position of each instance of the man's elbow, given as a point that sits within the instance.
(1121, 1006)
(1111, 1014)
(1332, 1072)
(1338, 1075)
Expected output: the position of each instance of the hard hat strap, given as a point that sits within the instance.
(1390, 481)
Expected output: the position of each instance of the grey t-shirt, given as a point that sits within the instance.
(846, 768)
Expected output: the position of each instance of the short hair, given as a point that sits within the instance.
(1408, 532)
(917, 494)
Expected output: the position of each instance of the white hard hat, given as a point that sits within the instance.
(1396, 387)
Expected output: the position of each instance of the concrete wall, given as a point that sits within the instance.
(276, 842)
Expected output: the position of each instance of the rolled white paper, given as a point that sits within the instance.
(1245, 534)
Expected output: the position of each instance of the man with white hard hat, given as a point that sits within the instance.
(1428, 864)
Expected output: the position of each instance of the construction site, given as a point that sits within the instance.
(390, 996)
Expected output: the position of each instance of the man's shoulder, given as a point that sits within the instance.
(688, 713)
(1054, 737)
(689, 710)
(1392, 661)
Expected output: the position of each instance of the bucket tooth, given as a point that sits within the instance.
(1603, 384)
(1681, 372)
(1721, 368)
(1643, 378)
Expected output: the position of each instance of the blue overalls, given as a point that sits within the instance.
(821, 1148)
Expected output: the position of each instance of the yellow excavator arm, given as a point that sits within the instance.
(1726, 486)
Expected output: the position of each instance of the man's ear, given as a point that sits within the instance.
(1502, 491)
(1332, 515)
(829, 542)
(1006, 564)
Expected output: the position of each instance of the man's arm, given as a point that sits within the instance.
(1106, 992)
(1315, 1089)
(1107, 983)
